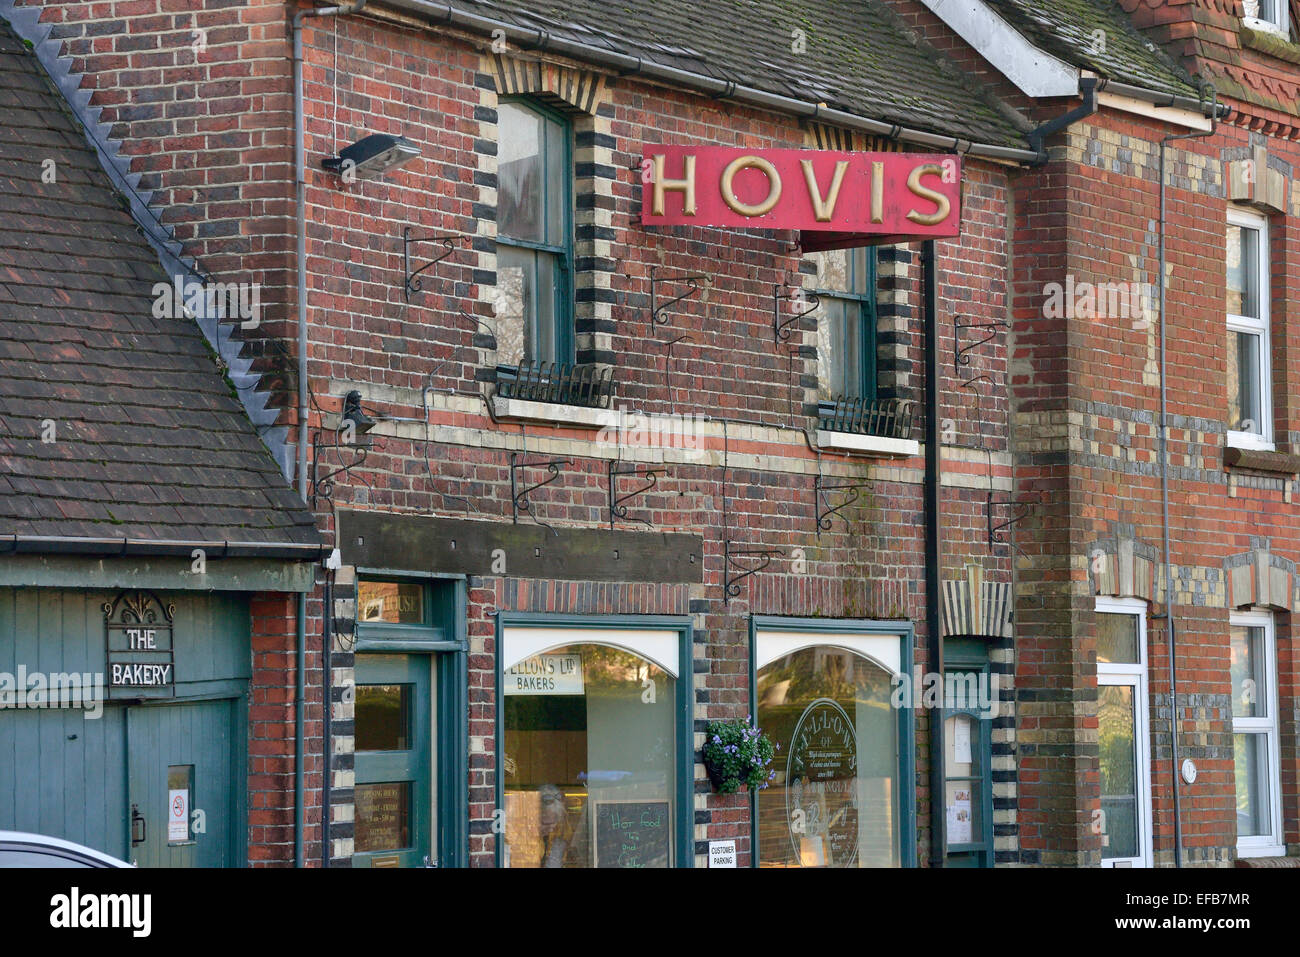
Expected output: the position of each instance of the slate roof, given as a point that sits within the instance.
(860, 56)
(1097, 35)
(150, 441)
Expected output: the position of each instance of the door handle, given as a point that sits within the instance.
(138, 818)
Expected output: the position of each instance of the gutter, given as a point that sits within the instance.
(300, 182)
(1214, 110)
(625, 65)
(53, 544)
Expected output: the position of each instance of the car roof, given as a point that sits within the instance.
(59, 844)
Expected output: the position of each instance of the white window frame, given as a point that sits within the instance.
(1264, 845)
(1135, 677)
(1279, 26)
(1260, 326)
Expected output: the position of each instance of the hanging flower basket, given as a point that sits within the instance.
(737, 753)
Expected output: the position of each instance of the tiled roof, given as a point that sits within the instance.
(859, 56)
(1097, 35)
(149, 441)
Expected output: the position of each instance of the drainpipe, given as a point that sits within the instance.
(300, 181)
(1038, 138)
(933, 547)
(1164, 493)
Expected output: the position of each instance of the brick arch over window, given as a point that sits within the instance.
(562, 86)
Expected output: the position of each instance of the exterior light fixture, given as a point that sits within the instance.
(372, 156)
(353, 413)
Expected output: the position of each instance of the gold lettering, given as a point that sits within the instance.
(939, 200)
(877, 192)
(774, 185)
(823, 209)
(684, 185)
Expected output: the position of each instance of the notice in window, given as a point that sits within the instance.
(959, 822)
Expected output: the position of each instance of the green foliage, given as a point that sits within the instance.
(736, 753)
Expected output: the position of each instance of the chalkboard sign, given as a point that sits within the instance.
(633, 833)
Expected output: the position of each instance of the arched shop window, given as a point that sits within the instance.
(842, 793)
(590, 729)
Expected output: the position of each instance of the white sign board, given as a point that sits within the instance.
(178, 815)
(722, 853)
(545, 674)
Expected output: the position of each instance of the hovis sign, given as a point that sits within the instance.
(834, 199)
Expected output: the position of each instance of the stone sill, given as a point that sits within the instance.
(1265, 38)
(1259, 460)
(552, 413)
(856, 444)
(1272, 861)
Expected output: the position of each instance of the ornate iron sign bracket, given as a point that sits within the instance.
(827, 511)
(692, 281)
(448, 240)
(731, 586)
(960, 353)
(322, 486)
(1019, 509)
(781, 331)
(519, 496)
(617, 510)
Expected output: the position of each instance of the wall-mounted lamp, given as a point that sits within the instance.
(372, 156)
(352, 412)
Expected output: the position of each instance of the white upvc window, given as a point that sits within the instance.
(1268, 15)
(1249, 386)
(1256, 758)
(1123, 733)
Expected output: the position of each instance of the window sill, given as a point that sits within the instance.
(1261, 459)
(858, 444)
(1248, 440)
(1267, 851)
(552, 413)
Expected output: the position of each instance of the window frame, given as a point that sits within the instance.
(1132, 675)
(609, 626)
(868, 318)
(967, 656)
(1280, 26)
(1272, 844)
(831, 629)
(563, 294)
(1261, 326)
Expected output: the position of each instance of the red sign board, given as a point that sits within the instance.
(834, 199)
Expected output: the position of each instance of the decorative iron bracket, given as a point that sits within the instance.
(781, 331)
(322, 486)
(731, 585)
(1019, 509)
(693, 281)
(826, 511)
(449, 240)
(617, 510)
(519, 496)
(960, 353)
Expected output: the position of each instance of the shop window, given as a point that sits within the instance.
(1123, 736)
(1255, 735)
(534, 317)
(840, 796)
(970, 703)
(1250, 400)
(846, 323)
(590, 751)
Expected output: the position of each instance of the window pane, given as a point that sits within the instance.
(1117, 639)
(834, 799)
(1117, 744)
(521, 173)
(525, 305)
(1251, 770)
(589, 760)
(964, 822)
(394, 603)
(383, 718)
(383, 816)
(860, 274)
(832, 270)
(1245, 398)
(1249, 677)
(1243, 271)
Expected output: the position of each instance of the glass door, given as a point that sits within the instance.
(394, 756)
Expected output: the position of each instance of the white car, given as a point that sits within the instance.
(18, 849)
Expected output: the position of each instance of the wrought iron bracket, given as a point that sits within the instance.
(1019, 509)
(692, 280)
(322, 486)
(825, 510)
(960, 353)
(448, 240)
(731, 585)
(781, 331)
(519, 496)
(617, 510)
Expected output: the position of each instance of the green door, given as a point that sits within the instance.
(394, 754)
(181, 760)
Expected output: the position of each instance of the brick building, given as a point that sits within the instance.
(594, 484)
